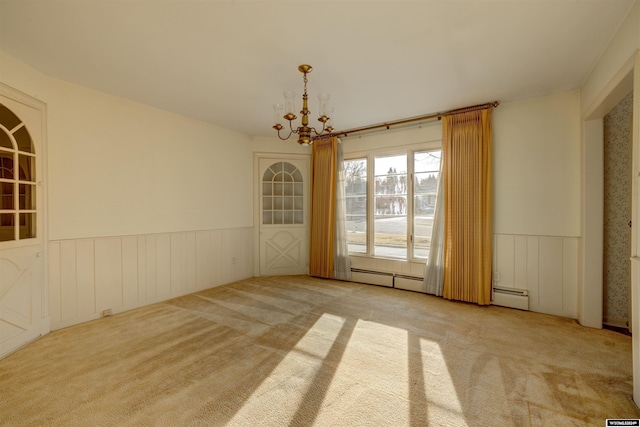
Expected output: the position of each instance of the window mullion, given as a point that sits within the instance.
(370, 204)
(16, 197)
(410, 218)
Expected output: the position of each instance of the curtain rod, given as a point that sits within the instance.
(417, 119)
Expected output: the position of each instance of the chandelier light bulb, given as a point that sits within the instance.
(290, 103)
(329, 124)
(278, 114)
(323, 100)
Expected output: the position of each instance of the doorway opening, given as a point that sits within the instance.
(617, 164)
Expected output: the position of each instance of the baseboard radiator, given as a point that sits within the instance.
(383, 278)
(409, 283)
(505, 297)
(512, 298)
(372, 277)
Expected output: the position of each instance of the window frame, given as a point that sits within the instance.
(370, 156)
(275, 198)
(366, 196)
(24, 214)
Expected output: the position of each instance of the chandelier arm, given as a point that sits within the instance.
(292, 129)
(284, 139)
(322, 131)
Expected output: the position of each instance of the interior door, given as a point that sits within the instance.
(22, 254)
(283, 215)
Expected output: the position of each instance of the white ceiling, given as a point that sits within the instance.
(226, 62)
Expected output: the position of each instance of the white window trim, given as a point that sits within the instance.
(370, 155)
(15, 153)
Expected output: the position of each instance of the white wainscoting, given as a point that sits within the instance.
(545, 266)
(87, 276)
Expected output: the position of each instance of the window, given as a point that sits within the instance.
(17, 179)
(390, 200)
(356, 201)
(426, 171)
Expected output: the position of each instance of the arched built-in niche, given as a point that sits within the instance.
(17, 179)
(282, 195)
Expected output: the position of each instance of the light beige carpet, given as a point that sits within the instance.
(301, 351)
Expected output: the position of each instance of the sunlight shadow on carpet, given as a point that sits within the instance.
(418, 404)
(302, 374)
(299, 351)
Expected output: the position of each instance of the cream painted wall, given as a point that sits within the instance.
(22, 77)
(537, 166)
(121, 168)
(621, 48)
(144, 205)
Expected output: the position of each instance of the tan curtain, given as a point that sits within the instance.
(468, 192)
(323, 211)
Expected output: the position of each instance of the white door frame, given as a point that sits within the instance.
(257, 156)
(590, 288)
(41, 157)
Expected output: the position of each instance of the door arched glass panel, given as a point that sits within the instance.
(282, 195)
(17, 179)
